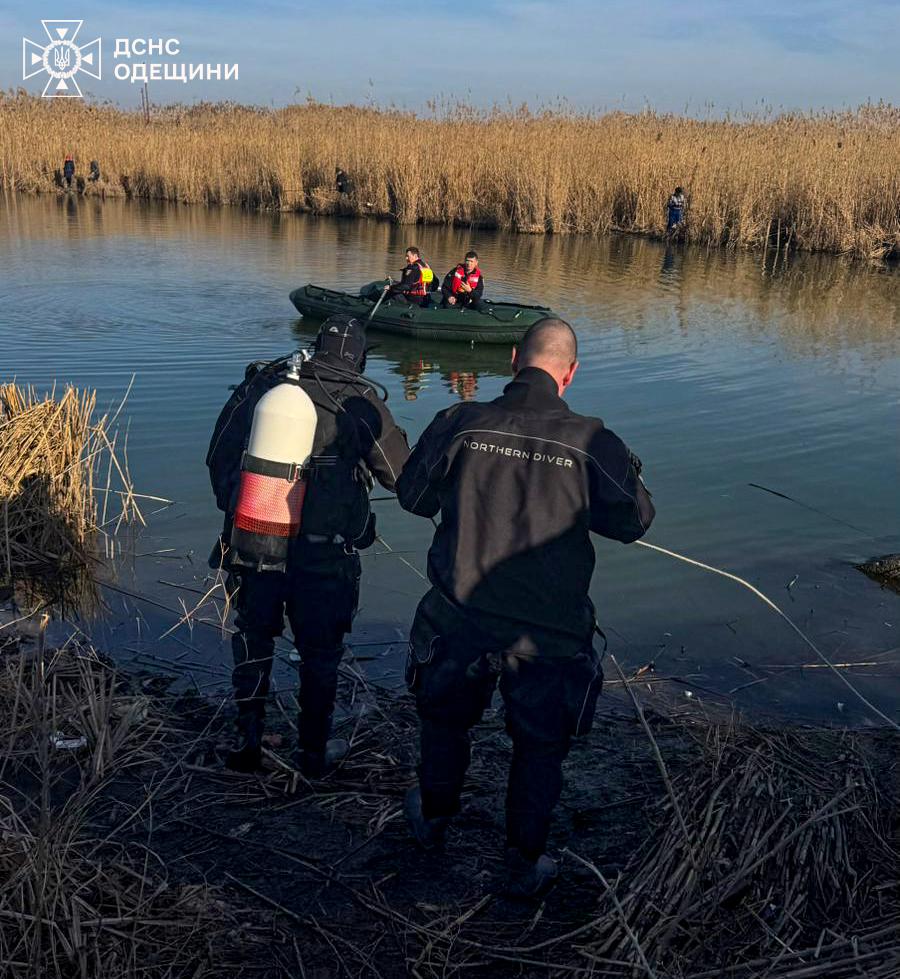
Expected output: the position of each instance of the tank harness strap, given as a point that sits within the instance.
(291, 471)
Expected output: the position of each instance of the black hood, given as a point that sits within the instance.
(344, 337)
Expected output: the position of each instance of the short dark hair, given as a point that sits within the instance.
(413, 250)
(679, 190)
(550, 338)
(472, 254)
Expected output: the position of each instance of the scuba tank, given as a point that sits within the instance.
(273, 474)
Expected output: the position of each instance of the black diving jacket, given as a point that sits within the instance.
(355, 435)
(520, 483)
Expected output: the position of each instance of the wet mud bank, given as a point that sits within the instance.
(691, 843)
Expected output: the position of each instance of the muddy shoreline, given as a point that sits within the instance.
(287, 877)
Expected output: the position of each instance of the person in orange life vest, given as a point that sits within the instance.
(416, 280)
(464, 285)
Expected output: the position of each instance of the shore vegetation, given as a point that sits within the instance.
(826, 181)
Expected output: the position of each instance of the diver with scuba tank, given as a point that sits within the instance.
(292, 459)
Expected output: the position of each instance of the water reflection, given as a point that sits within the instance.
(816, 302)
(720, 370)
(458, 367)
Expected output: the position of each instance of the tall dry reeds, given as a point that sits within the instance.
(51, 522)
(817, 182)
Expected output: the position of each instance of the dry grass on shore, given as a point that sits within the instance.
(818, 182)
(81, 896)
(762, 852)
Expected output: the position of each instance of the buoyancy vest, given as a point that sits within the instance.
(470, 278)
(426, 277)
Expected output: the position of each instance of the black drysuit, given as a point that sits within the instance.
(410, 277)
(319, 589)
(520, 483)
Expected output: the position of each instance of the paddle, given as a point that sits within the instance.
(384, 292)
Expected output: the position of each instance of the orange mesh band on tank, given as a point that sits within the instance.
(269, 505)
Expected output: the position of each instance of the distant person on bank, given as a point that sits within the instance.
(520, 483)
(675, 210)
(464, 285)
(68, 170)
(416, 280)
(342, 183)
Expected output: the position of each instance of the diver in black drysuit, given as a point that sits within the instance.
(520, 483)
(356, 439)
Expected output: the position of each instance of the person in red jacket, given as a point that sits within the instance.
(464, 284)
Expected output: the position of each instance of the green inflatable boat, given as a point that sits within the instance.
(491, 323)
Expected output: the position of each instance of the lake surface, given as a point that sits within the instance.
(719, 370)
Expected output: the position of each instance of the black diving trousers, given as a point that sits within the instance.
(453, 669)
(319, 594)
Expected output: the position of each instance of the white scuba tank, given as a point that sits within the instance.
(273, 473)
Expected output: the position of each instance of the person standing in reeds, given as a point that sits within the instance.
(68, 171)
(416, 280)
(520, 483)
(675, 210)
(342, 183)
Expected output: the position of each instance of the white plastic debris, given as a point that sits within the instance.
(62, 743)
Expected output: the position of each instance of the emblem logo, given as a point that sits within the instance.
(61, 58)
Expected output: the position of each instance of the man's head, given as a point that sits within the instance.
(679, 191)
(471, 261)
(344, 337)
(551, 345)
(412, 255)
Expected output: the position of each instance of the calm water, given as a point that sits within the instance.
(717, 371)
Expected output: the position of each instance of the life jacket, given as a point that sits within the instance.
(470, 278)
(423, 286)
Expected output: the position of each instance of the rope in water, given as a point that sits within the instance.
(768, 601)
(669, 553)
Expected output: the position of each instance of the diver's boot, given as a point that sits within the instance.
(318, 764)
(247, 756)
(429, 833)
(527, 879)
(318, 753)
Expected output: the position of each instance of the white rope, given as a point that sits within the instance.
(790, 622)
(411, 567)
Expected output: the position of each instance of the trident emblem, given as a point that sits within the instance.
(61, 59)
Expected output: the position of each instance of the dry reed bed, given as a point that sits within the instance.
(52, 450)
(79, 895)
(818, 182)
(771, 852)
